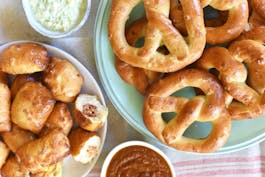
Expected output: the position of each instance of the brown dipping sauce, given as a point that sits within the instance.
(138, 161)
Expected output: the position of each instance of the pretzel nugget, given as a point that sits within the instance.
(5, 97)
(89, 113)
(39, 154)
(24, 58)
(17, 137)
(4, 152)
(20, 80)
(59, 118)
(32, 106)
(12, 168)
(84, 145)
(53, 171)
(63, 79)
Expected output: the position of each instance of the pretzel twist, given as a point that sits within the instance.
(234, 25)
(257, 17)
(138, 77)
(209, 107)
(259, 7)
(246, 86)
(159, 29)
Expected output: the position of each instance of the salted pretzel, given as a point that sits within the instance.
(138, 77)
(159, 28)
(257, 34)
(235, 23)
(257, 17)
(246, 86)
(259, 7)
(208, 107)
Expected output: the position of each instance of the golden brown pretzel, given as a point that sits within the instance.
(257, 34)
(249, 94)
(202, 108)
(159, 28)
(5, 97)
(234, 25)
(259, 7)
(138, 77)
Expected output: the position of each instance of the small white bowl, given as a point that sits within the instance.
(47, 32)
(134, 143)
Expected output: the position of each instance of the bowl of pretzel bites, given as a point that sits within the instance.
(187, 74)
(53, 117)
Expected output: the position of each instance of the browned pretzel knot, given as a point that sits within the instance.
(257, 34)
(138, 77)
(159, 29)
(234, 25)
(257, 17)
(259, 7)
(208, 107)
(246, 86)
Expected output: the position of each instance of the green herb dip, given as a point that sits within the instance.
(58, 15)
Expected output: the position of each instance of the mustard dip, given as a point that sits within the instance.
(58, 15)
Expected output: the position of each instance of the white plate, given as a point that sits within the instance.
(72, 168)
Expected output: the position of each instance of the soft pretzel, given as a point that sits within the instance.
(249, 94)
(138, 77)
(16, 137)
(38, 155)
(234, 25)
(24, 58)
(32, 106)
(63, 79)
(257, 14)
(60, 117)
(208, 107)
(159, 28)
(4, 152)
(257, 34)
(5, 97)
(20, 80)
(259, 7)
(12, 168)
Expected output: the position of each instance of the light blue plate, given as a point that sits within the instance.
(129, 102)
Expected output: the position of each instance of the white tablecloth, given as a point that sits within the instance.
(245, 163)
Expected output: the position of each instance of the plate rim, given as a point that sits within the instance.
(98, 27)
(77, 64)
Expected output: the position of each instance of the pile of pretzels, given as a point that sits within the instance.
(222, 57)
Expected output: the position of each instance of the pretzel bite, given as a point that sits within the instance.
(63, 79)
(39, 154)
(20, 80)
(5, 97)
(4, 152)
(17, 137)
(59, 118)
(53, 171)
(89, 113)
(84, 145)
(32, 106)
(12, 168)
(24, 58)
